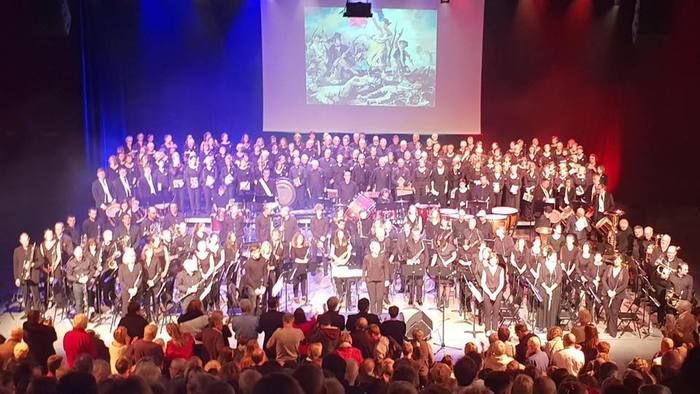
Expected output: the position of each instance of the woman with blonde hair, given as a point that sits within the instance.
(117, 348)
(180, 345)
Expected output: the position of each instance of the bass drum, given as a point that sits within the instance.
(286, 192)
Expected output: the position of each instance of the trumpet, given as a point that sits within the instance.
(663, 269)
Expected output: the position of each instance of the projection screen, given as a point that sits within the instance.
(415, 66)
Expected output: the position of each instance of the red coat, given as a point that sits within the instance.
(350, 353)
(172, 351)
(77, 342)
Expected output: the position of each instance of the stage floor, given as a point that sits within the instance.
(457, 330)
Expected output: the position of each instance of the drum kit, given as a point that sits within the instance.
(607, 225)
(286, 192)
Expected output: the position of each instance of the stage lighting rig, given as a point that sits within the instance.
(358, 9)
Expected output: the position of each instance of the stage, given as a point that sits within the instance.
(457, 330)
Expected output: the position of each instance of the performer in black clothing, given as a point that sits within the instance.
(376, 273)
(442, 268)
(300, 258)
(320, 226)
(550, 282)
(129, 278)
(128, 231)
(188, 283)
(614, 283)
(263, 224)
(152, 275)
(51, 257)
(414, 268)
(253, 281)
(492, 283)
(347, 189)
(90, 228)
(339, 256)
(78, 272)
(26, 272)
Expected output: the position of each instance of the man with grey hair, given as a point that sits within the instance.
(569, 358)
(129, 277)
(245, 325)
(247, 381)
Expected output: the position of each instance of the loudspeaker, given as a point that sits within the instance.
(358, 10)
(419, 320)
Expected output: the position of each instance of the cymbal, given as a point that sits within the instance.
(615, 212)
(543, 230)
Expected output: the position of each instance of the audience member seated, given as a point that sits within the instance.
(134, 321)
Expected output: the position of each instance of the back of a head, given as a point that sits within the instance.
(361, 324)
(42, 385)
(393, 311)
(571, 386)
(498, 381)
(277, 383)
(503, 333)
(465, 370)
(133, 308)
(671, 360)
(654, 389)
(77, 382)
(334, 364)
(150, 332)
(401, 387)
(607, 370)
(544, 385)
(272, 304)
(245, 305)
(522, 384)
(247, 380)
(406, 374)
(332, 303)
(288, 318)
(100, 370)
(148, 371)
(310, 378)
(498, 348)
(569, 339)
(200, 383)
(333, 386)
(363, 305)
(80, 321)
(83, 363)
(130, 385)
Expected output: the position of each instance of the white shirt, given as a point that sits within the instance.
(103, 183)
(127, 188)
(149, 180)
(601, 202)
(570, 359)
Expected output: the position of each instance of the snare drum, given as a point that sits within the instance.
(162, 208)
(604, 225)
(286, 192)
(424, 210)
(496, 221)
(112, 210)
(449, 213)
(512, 215)
(359, 204)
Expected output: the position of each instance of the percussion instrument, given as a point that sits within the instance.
(286, 192)
(449, 213)
(496, 221)
(424, 210)
(162, 208)
(554, 216)
(359, 204)
(332, 193)
(372, 194)
(604, 225)
(404, 191)
(512, 214)
(112, 210)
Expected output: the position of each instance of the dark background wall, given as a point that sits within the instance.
(565, 67)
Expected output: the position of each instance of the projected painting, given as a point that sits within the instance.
(386, 60)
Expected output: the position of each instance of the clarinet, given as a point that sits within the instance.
(136, 284)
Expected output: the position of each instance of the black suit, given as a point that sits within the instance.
(32, 284)
(121, 193)
(337, 320)
(394, 329)
(99, 195)
(40, 339)
(352, 319)
(267, 323)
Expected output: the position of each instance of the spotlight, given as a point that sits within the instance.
(358, 9)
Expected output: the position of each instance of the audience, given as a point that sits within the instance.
(393, 327)
(334, 363)
(40, 335)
